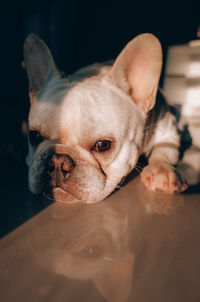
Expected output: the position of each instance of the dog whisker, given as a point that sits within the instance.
(140, 165)
(110, 259)
(150, 126)
(137, 169)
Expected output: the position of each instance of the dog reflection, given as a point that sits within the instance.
(88, 243)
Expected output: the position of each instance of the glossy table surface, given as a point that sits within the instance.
(133, 246)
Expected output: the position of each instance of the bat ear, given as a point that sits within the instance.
(39, 64)
(137, 70)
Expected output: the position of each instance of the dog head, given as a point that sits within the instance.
(86, 130)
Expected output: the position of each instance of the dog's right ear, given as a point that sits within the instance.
(39, 64)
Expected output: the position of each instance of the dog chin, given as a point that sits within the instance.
(60, 195)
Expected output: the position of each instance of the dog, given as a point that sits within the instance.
(87, 130)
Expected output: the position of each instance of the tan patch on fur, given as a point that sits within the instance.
(32, 95)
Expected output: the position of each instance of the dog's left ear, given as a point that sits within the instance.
(137, 70)
(39, 64)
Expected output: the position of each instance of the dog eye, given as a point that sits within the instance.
(35, 138)
(102, 146)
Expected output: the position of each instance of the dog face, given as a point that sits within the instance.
(86, 131)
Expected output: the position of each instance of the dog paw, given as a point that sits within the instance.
(163, 177)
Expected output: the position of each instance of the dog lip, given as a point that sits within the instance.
(60, 195)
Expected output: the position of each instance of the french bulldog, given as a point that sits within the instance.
(87, 130)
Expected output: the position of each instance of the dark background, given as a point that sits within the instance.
(78, 33)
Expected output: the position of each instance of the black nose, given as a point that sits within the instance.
(62, 163)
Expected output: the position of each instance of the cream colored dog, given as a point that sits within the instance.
(87, 131)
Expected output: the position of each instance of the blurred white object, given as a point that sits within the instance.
(182, 87)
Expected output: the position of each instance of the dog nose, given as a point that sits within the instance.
(64, 163)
